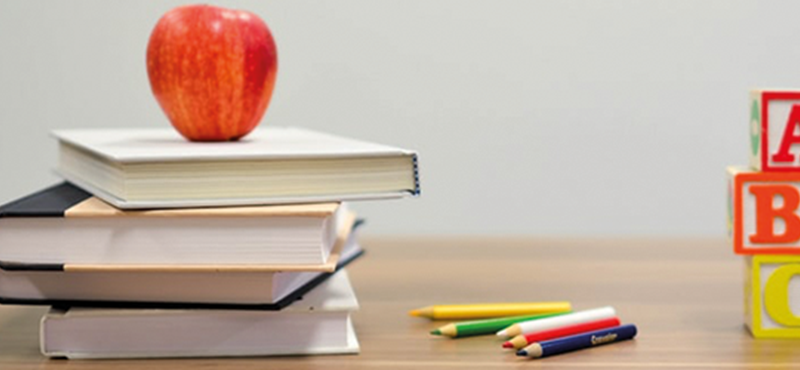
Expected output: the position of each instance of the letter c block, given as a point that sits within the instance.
(772, 296)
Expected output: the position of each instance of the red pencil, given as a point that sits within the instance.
(523, 340)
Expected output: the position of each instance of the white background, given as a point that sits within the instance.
(532, 118)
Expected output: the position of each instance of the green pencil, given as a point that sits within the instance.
(490, 326)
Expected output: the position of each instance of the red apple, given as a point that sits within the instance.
(212, 70)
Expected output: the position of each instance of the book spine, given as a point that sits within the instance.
(417, 189)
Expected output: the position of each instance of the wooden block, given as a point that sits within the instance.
(772, 296)
(775, 130)
(764, 211)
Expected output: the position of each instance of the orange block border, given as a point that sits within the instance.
(738, 219)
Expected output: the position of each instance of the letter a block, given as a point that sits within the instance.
(775, 130)
(764, 211)
(772, 296)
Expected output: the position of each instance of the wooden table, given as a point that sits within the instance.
(684, 294)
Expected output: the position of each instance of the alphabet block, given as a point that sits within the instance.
(774, 135)
(764, 211)
(772, 296)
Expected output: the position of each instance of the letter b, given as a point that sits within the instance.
(766, 214)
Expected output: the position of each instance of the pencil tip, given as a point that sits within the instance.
(414, 313)
(501, 333)
(508, 345)
(522, 352)
(436, 332)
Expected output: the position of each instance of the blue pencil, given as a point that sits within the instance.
(579, 341)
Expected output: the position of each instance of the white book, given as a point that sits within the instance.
(65, 226)
(221, 287)
(157, 168)
(318, 324)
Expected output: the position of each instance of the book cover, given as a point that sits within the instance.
(156, 168)
(64, 227)
(320, 323)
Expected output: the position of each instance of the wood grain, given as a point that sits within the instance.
(684, 294)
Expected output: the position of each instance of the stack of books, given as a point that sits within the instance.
(159, 247)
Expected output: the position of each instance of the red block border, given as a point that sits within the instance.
(766, 97)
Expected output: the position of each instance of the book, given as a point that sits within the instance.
(63, 227)
(157, 168)
(317, 324)
(221, 288)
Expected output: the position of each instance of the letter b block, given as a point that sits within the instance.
(775, 130)
(772, 296)
(764, 211)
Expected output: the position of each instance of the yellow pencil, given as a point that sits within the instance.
(489, 310)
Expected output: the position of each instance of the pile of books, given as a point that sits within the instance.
(159, 247)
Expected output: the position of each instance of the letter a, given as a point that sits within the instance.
(789, 137)
(766, 214)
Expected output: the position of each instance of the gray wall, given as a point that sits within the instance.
(532, 118)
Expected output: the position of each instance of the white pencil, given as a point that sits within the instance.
(526, 327)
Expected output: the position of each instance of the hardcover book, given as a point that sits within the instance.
(318, 324)
(66, 226)
(222, 288)
(157, 168)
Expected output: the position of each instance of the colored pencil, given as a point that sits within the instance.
(579, 341)
(488, 326)
(523, 340)
(579, 317)
(489, 310)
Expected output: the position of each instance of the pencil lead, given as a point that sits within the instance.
(508, 345)
(416, 313)
(522, 352)
(436, 332)
(501, 333)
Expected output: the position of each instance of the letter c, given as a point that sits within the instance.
(776, 295)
